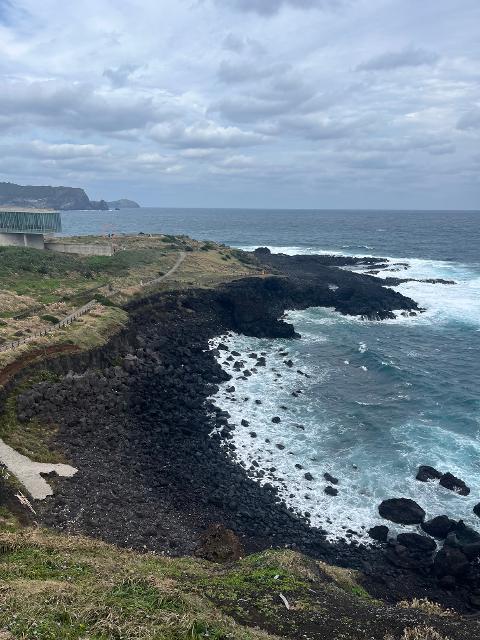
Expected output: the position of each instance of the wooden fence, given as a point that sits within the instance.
(58, 325)
(86, 307)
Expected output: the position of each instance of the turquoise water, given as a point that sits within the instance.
(383, 397)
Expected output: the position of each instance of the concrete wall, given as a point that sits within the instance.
(80, 249)
(33, 240)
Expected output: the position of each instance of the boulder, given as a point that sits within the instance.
(401, 511)
(331, 491)
(406, 558)
(472, 550)
(426, 473)
(330, 478)
(449, 481)
(379, 533)
(439, 527)
(219, 544)
(465, 534)
(476, 509)
(417, 542)
(308, 476)
(276, 420)
(450, 561)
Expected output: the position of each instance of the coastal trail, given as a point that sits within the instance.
(87, 307)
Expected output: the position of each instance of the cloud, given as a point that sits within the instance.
(238, 72)
(119, 76)
(205, 135)
(78, 106)
(6, 10)
(271, 7)
(243, 101)
(53, 151)
(66, 150)
(318, 127)
(469, 120)
(408, 57)
(237, 44)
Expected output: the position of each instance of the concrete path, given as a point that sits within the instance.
(29, 473)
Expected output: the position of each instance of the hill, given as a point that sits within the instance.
(61, 198)
(123, 203)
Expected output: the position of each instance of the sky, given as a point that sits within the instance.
(245, 103)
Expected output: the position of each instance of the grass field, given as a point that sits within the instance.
(38, 288)
(57, 587)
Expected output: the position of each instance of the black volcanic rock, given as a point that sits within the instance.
(439, 527)
(346, 291)
(426, 473)
(449, 481)
(465, 534)
(331, 491)
(330, 478)
(401, 511)
(379, 533)
(476, 509)
(415, 541)
(450, 561)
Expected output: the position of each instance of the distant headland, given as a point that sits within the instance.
(60, 198)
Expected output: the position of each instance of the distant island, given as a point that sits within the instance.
(123, 203)
(61, 198)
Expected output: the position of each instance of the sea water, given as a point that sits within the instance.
(378, 398)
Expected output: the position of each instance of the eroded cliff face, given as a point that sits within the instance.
(62, 198)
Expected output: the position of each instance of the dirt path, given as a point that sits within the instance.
(171, 271)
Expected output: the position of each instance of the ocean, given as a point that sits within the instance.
(381, 398)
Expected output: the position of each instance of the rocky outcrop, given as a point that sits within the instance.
(150, 447)
(123, 203)
(401, 511)
(439, 527)
(325, 285)
(219, 544)
(449, 481)
(426, 473)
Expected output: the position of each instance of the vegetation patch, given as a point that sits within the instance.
(32, 438)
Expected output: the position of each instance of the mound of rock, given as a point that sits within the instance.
(219, 544)
(401, 511)
(439, 527)
(449, 481)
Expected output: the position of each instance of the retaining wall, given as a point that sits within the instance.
(80, 249)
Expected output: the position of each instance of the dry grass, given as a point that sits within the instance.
(65, 282)
(72, 588)
(419, 633)
(425, 605)
(347, 579)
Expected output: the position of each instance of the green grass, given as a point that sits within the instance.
(58, 588)
(30, 438)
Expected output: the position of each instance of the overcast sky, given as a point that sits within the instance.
(268, 103)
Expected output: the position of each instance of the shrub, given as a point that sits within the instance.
(49, 318)
(104, 300)
(424, 604)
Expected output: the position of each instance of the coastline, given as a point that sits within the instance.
(135, 419)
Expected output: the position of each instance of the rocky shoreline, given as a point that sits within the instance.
(135, 418)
